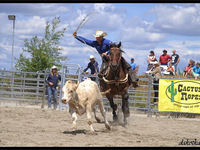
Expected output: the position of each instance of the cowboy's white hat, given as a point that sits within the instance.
(54, 67)
(155, 63)
(99, 33)
(91, 57)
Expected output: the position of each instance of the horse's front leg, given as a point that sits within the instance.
(113, 106)
(125, 106)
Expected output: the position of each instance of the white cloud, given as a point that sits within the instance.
(176, 19)
(35, 25)
(33, 9)
(102, 7)
(137, 34)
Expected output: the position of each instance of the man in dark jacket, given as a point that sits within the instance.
(93, 65)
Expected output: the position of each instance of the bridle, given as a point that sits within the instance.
(115, 59)
(116, 71)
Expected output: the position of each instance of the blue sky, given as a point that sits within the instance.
(140, 28)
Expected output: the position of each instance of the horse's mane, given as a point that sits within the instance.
(117, 45)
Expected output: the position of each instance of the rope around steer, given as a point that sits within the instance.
(116, 82)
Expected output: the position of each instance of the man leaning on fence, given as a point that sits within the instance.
(93, 65)
(52, 81)
(157, 73)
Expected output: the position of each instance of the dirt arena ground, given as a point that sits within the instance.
(33, 127)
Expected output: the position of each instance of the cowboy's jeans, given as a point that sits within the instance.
(52, 91)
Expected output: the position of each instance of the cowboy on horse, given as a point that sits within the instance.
(102, 45)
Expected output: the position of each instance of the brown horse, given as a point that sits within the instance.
(116, 78)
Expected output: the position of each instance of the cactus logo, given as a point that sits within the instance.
(179, 95)
(184, 92)
(172, 91)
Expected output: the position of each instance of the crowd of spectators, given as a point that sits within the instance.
(171, 63)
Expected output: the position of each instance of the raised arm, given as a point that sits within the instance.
(83, 40)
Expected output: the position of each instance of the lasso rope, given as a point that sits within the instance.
(80, 25)
(83, 22)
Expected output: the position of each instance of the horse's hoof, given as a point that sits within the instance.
(115, 118)
(128, 114)
(125, 123)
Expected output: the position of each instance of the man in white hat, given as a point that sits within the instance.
(157, 73)
(93, 65)
(102, 45)
(52, 80)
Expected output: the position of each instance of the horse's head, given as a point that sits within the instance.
(115, 55)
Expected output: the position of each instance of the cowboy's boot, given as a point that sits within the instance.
(132, 74)
(134, 78)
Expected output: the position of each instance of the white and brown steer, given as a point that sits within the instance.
(82, 98)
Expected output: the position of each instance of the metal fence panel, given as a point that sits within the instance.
(31, 87)
(21, 86)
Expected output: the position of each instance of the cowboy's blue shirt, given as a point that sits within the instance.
(105, 47)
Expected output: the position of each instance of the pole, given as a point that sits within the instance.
(13, 44)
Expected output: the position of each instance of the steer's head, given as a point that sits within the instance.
(69, 91)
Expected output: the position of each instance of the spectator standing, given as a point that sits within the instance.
(157, 73)
(133, 65)
(175, 59)
(151, 58)
(196, 70)
(93, 66)
(52, 81)
(134, 71)
(164, 58)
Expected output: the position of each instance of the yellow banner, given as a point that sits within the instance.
(179, 95)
